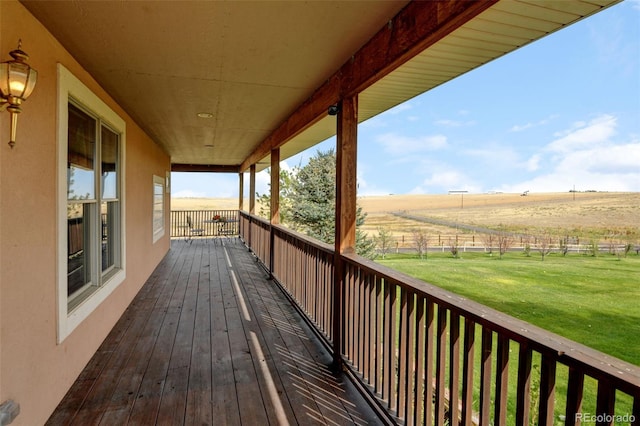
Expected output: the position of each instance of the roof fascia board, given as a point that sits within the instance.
(209, 168)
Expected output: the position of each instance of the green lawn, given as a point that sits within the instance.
(592, 300)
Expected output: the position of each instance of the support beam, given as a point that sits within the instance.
(240, 191)
(205, 168)
(346, 185)
(345, 219)
(252, 189)
(275, 186)
(275, 204)
(417, 26)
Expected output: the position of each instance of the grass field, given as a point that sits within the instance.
(592, 300)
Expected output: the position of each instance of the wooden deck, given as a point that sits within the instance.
(209, 340)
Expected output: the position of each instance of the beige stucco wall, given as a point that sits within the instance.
(35, 371)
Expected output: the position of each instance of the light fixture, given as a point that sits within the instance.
(205, 115)
(17, 80)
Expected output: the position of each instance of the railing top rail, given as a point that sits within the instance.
(594, 363)
(328, 248)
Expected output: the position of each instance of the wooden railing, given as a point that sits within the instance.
(428, 356)
(211, 222)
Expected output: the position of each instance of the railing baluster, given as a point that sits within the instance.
(454, 367)
(547, 390)
(347, 347)
(441, 361)
(574, 396)
(403, 353)
(379, 339)
(428, 360)
(387, 346)
(420, 357)
(367, 324)
(502, 381)
(523, 394)
(411, 360)
(467, 371)
(605, 403)
(485, 377)
(362, 321)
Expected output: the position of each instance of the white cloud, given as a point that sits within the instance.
(519, 128)
(522, 127)
(446, 179)
(583, 135)
(587, 156)
(533, 163)
(399, 145)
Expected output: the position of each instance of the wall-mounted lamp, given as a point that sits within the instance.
(17, 80)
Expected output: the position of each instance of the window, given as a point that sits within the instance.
(91, 227)
(158, 207)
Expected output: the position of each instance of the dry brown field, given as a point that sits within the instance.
(546, 210)
(204, 204)
(580, 213)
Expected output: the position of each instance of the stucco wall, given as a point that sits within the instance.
(35, 371)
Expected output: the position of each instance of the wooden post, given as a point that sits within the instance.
(346, 191)
(240, 190)
(275, 202)
(252, 189)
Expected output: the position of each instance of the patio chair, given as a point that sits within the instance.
(197, 232)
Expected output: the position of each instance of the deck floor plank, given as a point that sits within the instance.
(209, 340)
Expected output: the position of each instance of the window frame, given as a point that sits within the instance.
(70, 316)
(158, 232)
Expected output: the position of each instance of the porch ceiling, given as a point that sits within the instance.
(252, 64)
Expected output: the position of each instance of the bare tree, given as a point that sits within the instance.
(545, 244)
(526, 245)
(383, 240)
(488, 240)
(453, 246)
(421, 239)
(505, 241)
(564, 245)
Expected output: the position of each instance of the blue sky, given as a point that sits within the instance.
(560, 113)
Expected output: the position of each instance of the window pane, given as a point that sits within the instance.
(78, 246)
(109, 149)
(81, 155)
(108, 214)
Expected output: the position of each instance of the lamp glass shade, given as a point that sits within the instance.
(17, 79)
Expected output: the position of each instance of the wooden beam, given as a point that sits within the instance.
(210, 168)
(275, 186)
(346, 185)
(417, 26)
(240, 191)
(252, 189)
(345, 219)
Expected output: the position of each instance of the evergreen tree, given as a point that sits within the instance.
(307, 202)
